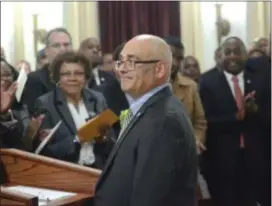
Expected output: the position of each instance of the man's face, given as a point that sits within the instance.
(191, 68)
(92, 50)
(178, 56)
(136, 78)
(263, 44)
(233, 56)
(58, 42)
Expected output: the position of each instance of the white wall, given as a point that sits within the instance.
(235, 13)
(50, 16)
(7, 31)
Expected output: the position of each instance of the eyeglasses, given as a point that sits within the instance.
(131, 63)
(58, 45)
(77, 74)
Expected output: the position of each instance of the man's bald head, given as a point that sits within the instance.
(145, 64)
(90, 47)
(152, 47)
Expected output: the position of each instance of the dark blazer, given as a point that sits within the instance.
(154, 162)
(105, 78)
(224, 130)
(220, 108)
(62, 145)
(38, 84)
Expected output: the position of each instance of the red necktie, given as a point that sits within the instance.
(239, 98)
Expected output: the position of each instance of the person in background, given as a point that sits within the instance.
(102, 81)
(17, 128)
(91, 48)
(72, 104)
(236, 102)
(155, 156)
(41, 59)
(108, 63)
(113, 93)
(58, 40)
(186, 91)
(190, 68)
(262, 44)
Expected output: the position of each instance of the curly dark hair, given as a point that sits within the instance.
(69, 57)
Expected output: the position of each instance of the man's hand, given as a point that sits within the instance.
(200, 147)
(7, 96)
(43, 134)
(34, 126)
(240, 115)
(104, 129)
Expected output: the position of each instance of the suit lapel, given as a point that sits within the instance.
(248, 83)
(64, 112)
(164, 92)
(90, 103)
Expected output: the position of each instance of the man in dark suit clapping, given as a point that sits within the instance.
(154, 162)
(236, 104)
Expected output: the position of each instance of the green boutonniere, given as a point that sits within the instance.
(123, 116)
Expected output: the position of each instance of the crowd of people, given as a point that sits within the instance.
(179, 122)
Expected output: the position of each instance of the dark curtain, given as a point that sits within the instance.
(121, 20)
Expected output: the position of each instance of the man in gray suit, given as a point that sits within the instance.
(154, 162)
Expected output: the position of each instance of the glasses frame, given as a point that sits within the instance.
(119, 63)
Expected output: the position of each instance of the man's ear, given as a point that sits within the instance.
(161, 69)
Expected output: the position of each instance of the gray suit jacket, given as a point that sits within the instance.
(154, 162)
(62, 145)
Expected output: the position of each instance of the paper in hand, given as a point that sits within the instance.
(46, 139)
(92, 128)
(21, 81)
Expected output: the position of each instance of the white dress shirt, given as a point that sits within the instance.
(96, 76)
(241, 82)
(86, 155)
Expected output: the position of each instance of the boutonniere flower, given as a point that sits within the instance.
(250, 102)
(123, 115)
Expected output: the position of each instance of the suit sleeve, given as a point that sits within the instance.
(61, 147)
(218, 121)
(163, 159)
(200, 123)
(33, 90)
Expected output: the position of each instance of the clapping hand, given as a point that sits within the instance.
(34, 126)
(7, 96)
(104, 129)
